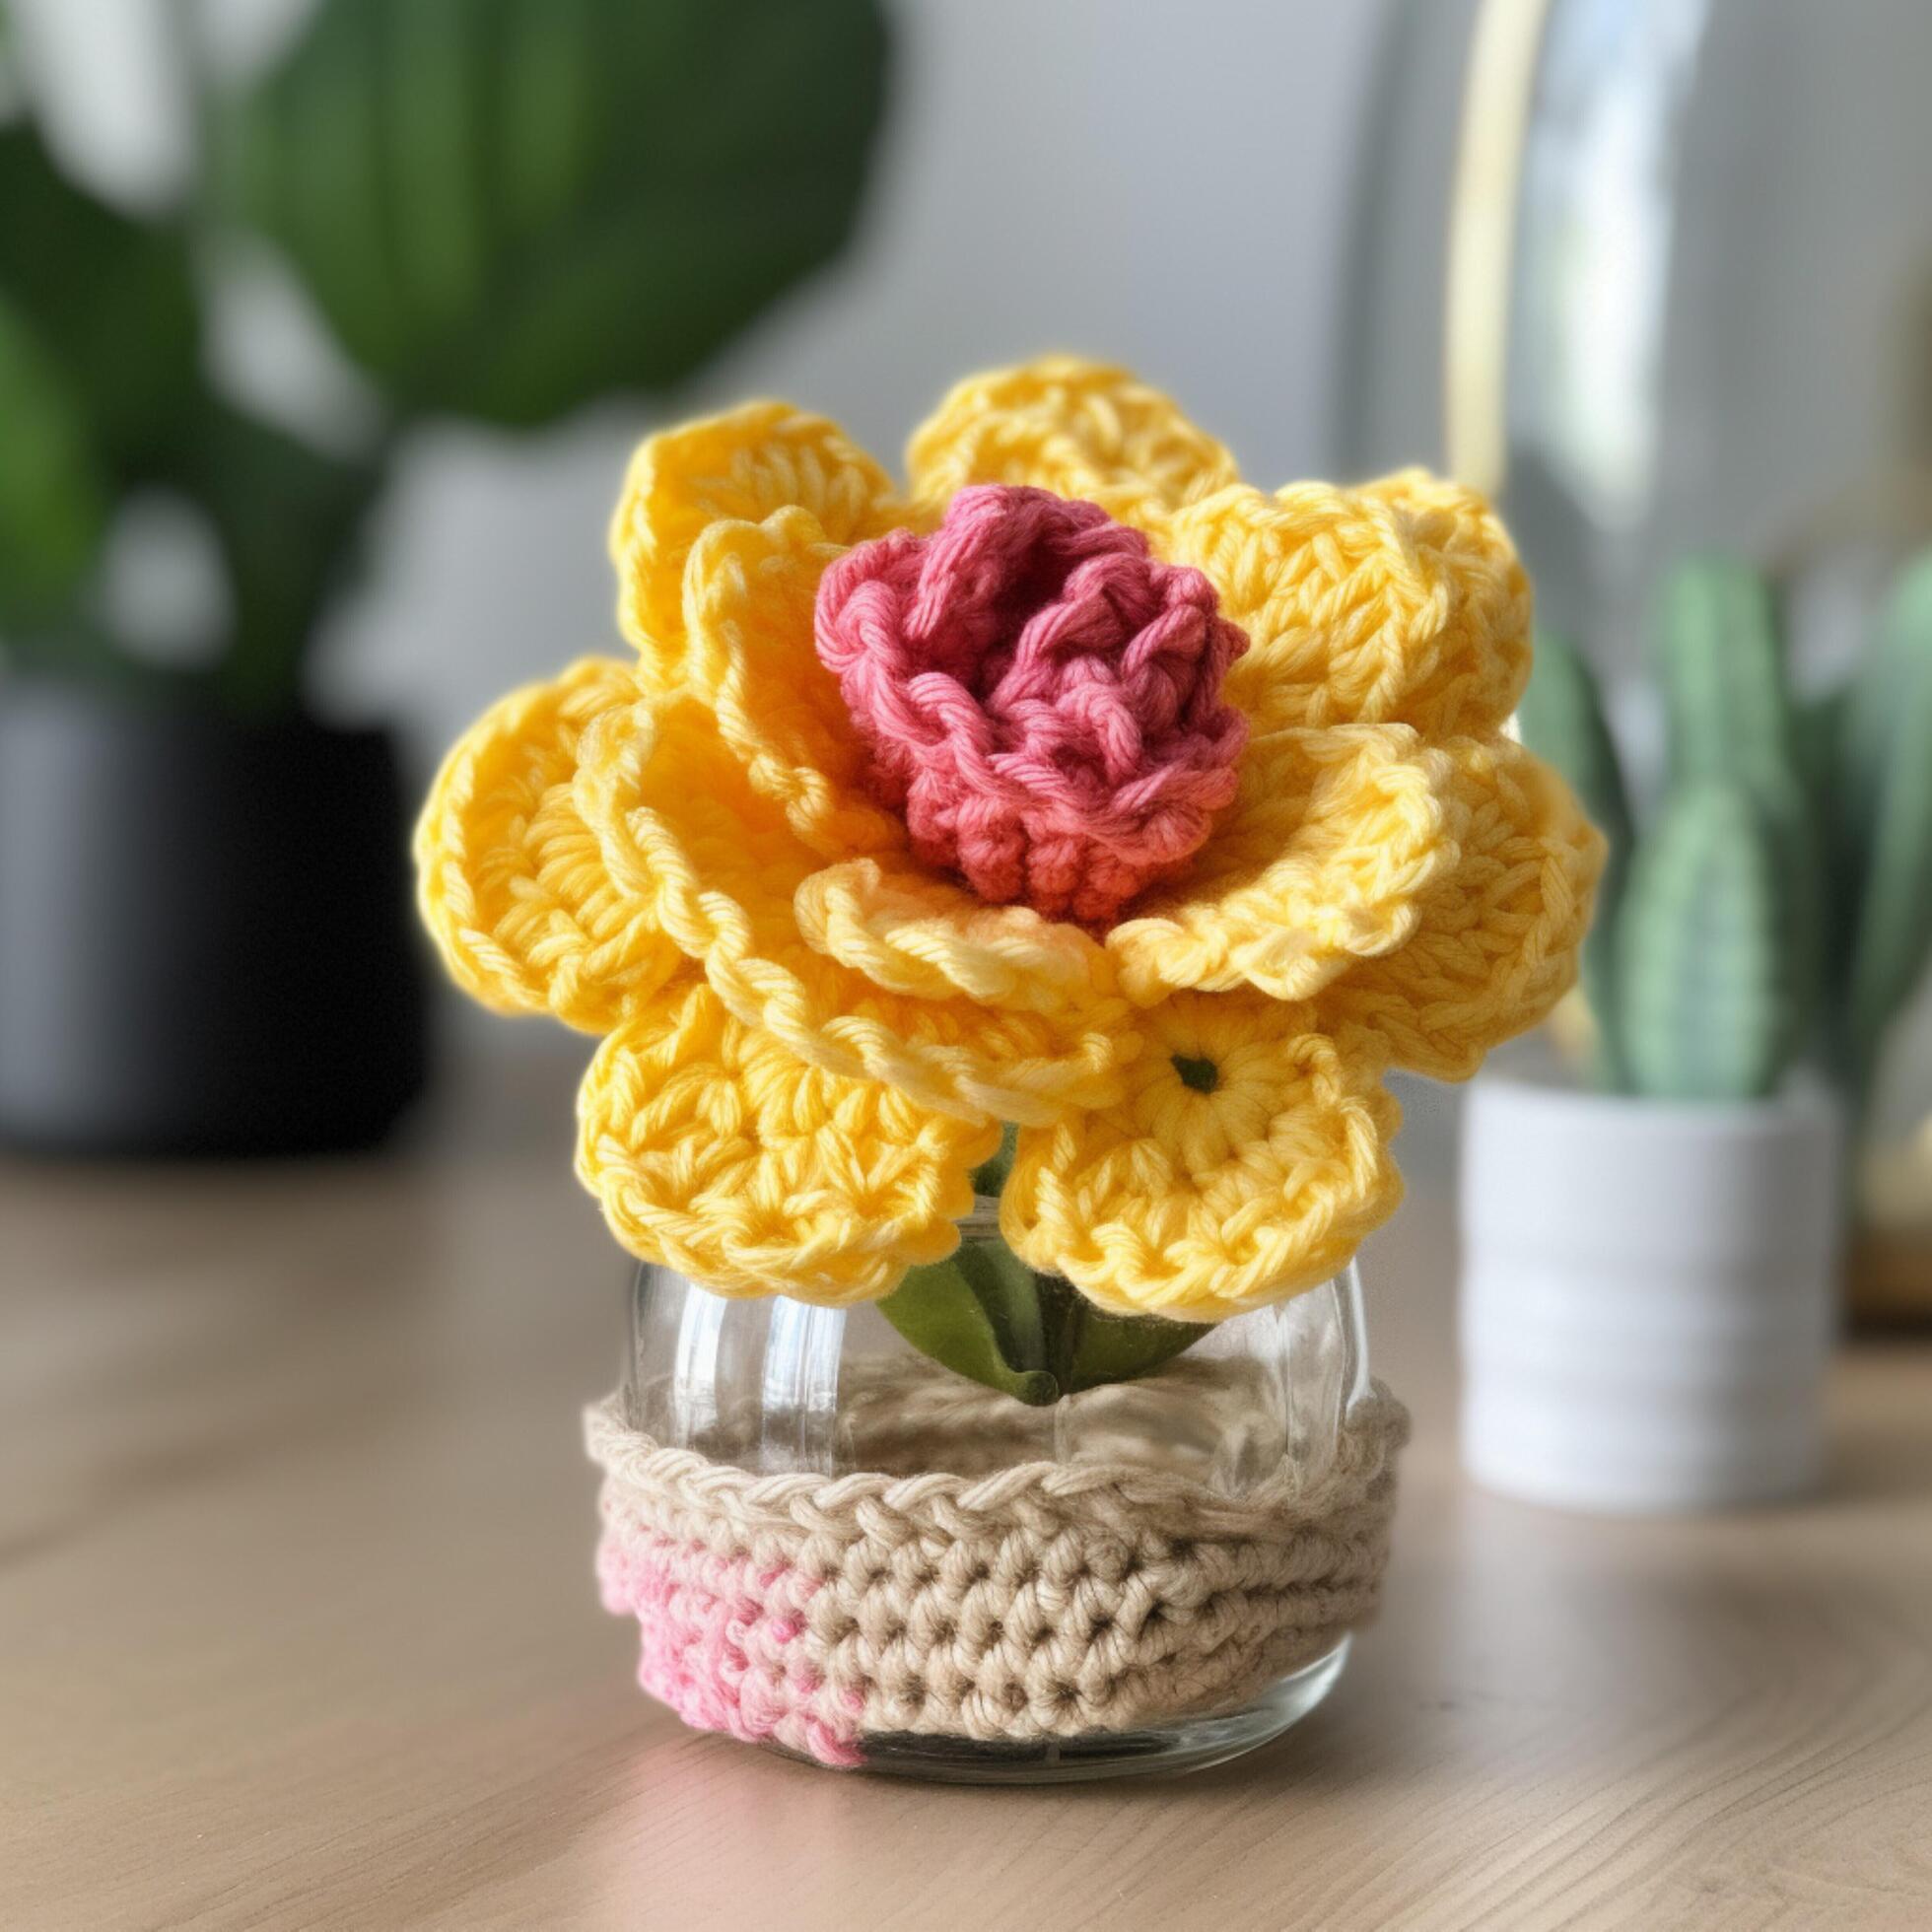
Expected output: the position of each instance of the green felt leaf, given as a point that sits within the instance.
(989, 1176)
(985, 1314)
(508, 208)
(1119, 1348)
(939, 1310)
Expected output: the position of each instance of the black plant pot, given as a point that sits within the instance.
(206, 944)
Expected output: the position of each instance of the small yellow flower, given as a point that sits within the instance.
(813, 1030)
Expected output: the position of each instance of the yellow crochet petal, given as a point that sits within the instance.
(1402, 601)
(511, 880)
(680, 822)
(715, 1152)
(1496, 947)
(1323, 858)
(1077, 428)
(749, 591)
(910, 932)
(1200, 1204)
(742, 465)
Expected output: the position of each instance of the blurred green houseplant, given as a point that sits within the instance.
(1779, 904)
(502, 209)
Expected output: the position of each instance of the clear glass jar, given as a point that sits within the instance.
(1256, 1413)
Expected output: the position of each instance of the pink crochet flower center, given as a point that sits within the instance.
(1039, 696)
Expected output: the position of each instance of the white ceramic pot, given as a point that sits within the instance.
(1649, 1295)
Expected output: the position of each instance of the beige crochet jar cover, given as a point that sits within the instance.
(1038, 1601)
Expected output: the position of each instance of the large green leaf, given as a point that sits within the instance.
(507, 208)
(52, 504)
(111, 298)
(98, 348)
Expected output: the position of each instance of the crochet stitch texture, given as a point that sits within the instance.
(813, 1023)
(1041, 697)
(1025, 1602)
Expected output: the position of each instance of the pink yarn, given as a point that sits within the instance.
(725, 1646)
(1039, 696)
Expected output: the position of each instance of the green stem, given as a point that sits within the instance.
(983, 1313)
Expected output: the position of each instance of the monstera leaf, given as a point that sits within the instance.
(97, 347)
(53, 504)
(506, 208)
(112, 300)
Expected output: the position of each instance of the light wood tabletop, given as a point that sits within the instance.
(296, 1628)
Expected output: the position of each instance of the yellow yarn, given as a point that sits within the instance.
(1399, 602)
(1321, 859)
(714, 1150)
(683, 828)
(813, 1037)
(1076, 427)
(1200, 1204)
(512, 882)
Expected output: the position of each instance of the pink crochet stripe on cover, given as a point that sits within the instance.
(1041, 697)
(724, 1645)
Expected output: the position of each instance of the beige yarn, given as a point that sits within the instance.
(1038, 1601)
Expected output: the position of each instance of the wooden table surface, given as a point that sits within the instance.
(297, 1628)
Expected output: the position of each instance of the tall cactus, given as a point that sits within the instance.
(1788, 868)
(1709, 1010)
(1721, 669)
(1720, 662)
(1884, 821)
(1560, 718)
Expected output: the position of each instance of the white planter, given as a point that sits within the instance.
(1648, 1296)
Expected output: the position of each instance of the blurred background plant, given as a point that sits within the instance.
(1777, 907)
(496, 210)
(503, 210)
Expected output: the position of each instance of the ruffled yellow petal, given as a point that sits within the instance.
(1403, 601)
(715, 1152)
(742, 466)
(1496, 947)
(910, 932)
(749, 591)
(1198, 1205)
(679, 823)
(1324, 858)
(511, 880)
(1077, 428)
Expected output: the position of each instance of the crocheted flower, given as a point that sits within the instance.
(916, 814)
(1040, 696)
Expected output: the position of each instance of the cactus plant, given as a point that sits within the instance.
(1780, 901)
